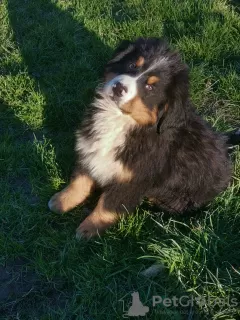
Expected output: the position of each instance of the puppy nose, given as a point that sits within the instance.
(118, 89)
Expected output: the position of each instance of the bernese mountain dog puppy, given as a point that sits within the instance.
(140, 138)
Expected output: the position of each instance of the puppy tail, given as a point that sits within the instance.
(233, 139)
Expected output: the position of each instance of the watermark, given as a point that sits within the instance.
(138, 309)
(190, 301)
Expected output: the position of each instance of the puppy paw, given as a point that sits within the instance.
(86, 230)
(58, 203)
(95, 223)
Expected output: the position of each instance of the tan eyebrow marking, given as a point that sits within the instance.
(140, 61)
(152, 80)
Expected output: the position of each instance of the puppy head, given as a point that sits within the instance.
(146, 79)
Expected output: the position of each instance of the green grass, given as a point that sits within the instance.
(51, 56)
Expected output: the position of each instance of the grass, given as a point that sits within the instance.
(51, 56)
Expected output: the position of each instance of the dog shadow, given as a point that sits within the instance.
(65, 60)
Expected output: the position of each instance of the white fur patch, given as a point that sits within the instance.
(129, 82)
(155, 64)
(111, 127)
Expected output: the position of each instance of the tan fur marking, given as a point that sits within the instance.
(71, 196)
(99, 220)
(166, 107)
(152, 80)
(140, 62)
(125, 175)
(151, 199)
(139, 112)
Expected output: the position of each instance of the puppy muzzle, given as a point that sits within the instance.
(121, 89)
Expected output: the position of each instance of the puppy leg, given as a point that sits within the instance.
(74, 194)
(99, 220)
(113, 203)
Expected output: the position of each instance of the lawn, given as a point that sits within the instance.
(52, 54)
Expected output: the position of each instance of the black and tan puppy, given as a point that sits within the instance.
(141, 138)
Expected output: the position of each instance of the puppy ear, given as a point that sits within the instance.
(179, 97)
(122, 49)
(174, 112)
(162, 113)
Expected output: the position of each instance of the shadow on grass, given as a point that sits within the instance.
(236, 5)
(65, 59)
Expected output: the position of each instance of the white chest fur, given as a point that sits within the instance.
(98, 151)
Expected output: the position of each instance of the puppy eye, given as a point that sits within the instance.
(148, 87)
(132, 65)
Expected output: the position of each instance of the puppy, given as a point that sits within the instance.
(141, 137)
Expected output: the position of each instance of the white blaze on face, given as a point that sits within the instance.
(127, 81)
(130, 83)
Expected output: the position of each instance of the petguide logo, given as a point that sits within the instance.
(138, 309)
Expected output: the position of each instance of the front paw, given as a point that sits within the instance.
(58, 203)
(96, 223)
(86, 230)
